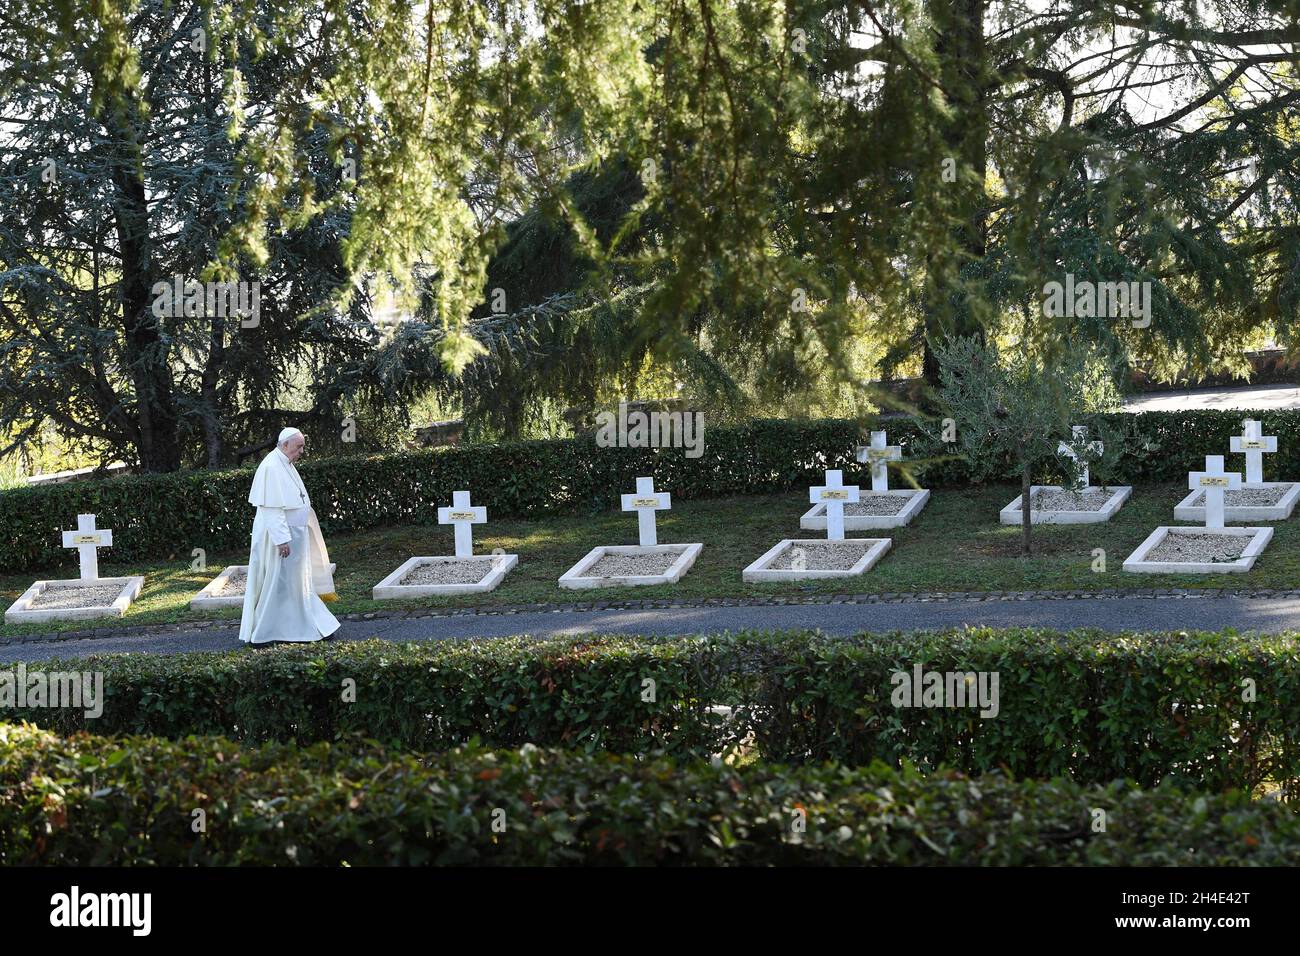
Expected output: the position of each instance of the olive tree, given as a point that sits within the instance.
(1015, 408)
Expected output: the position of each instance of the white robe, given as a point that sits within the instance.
(282, 598)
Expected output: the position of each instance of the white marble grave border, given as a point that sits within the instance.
(1138, 564)
(391, 588)
(577, 577)
(814, 519)
(1186, 511)
(1119, 494)
(760, 570)
(20, 612)
(211, 599)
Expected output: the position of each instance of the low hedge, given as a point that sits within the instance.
(131, 801)
(167, 516)
(1086, 704)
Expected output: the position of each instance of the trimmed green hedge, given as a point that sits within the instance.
(167, 516)
(133, 801)
(1090, 705)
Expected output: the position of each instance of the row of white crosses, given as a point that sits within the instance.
(835, 494)
(645, 502)
(1214, 481)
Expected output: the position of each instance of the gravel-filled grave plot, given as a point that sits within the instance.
(873, 509)
(631, 565)
(1269, 501)
(1265, 497)
(1051, 504)
(74, 600)
(1198, 547)
(1065, 499)
(444, 575)
(1176, 550)
(227, 589)
(801, 559)
(448, 571)
(60, 597)
(822, 555)
(234, 583)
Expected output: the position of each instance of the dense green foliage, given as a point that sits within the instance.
(90, 800)
(742, 186)
(166, 516)
(1093, 706)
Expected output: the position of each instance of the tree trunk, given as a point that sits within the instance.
(960, 46)
(146, 351)
(1025, 525)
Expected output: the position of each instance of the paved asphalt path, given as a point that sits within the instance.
(1257, 396)
(1266, 615)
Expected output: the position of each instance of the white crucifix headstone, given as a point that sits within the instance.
(835, 494)
(464, 516)
(88, 539)
(878, 454)
(1214, 481)
(1080, 437)
(645, 503)
(1255, 445)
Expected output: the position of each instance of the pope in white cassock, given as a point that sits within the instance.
(288, 567)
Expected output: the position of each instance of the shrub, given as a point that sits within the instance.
(165, 516)
(130, 801)
(1091, 705)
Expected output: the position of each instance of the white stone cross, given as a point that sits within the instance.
(645, 503)
(1255, 445)
(1214, 481)
(836, 495)
(1080, 433)
(88, 539)
(464, 517)
(878, 454)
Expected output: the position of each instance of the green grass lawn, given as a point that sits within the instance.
(955, 544)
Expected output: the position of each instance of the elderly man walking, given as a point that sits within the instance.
(288, 567)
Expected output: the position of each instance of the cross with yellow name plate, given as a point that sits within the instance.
(1214, 481)
(645, 503)
(1255, 445)
(878, 455)
(835, 495)
(464, 516)
(88, 539)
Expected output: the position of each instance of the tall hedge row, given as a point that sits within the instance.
(167, 516)
(1214, 711)
(94, 800)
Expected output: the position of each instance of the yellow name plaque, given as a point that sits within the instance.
(1209, 482)
(87, 539)
(876, 454)
(461, 516)
(1250, 443)
(645, 502)
(829, 494)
